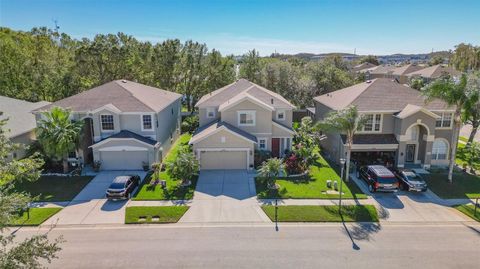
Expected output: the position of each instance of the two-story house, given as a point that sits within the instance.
(237, 119)
(127, 124)
(402, 128)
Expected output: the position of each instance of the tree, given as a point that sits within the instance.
(29, 252)
(417, 83)
(437, 59)
(466, 57)
(346, 121)
(184, 166)
(471, 113)
(270, 170)
(456, 94)
(370, 59)
(473, 155)
(328, 77)
(251, 67)
(58, 135)
(306, 143)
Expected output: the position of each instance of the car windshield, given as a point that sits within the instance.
(412, 176)
(117, 185)
(387, 180)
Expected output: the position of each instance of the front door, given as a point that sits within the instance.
(410, 153)
(276, 147)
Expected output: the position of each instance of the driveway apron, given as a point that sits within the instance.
(225, 196)
(90, 205)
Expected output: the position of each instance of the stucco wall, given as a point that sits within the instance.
(263, 117)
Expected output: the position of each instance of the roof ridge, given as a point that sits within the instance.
(213, 93)
(131, 93)
(364, 90)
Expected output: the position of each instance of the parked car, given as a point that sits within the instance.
(379, 178)
(122, 187)
(410, 181)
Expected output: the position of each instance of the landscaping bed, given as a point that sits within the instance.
(35, 217)
(314, 186)
(53, 188)
(469, 210)
(154, 214)
(329, 213)
(464, 185)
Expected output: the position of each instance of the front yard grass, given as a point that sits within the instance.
(463, 156)
(173, 191)
(463, 186)
(313, 187)
(36, 216)
(53, 188)
(154, 214)
(329, 213)
(469, 210)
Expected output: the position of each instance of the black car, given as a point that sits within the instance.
(379, 178)
(122, 187)
(410, 181)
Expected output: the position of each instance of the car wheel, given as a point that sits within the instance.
(370, 188)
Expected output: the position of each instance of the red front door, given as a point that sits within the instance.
(276, 147)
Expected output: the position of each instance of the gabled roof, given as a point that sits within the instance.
(241, 97)
(435, 71)
(223, 95)
(403, 70)
(125, 134)
(125, 95)
(363, 66)
(18, 112)
(379, 70)
(216, 126)
(412, 109)
(381, 94)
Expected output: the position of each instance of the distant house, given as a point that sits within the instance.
(434, 72)
(381, 71)
(363, 66)
(402, 129)
(401, 73)
(127, 124)
(21, 124)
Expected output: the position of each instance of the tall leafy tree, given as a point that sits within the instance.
(346, 121)
(466, 57)
(251, 67)
(369, 59)
(471, 113)
(58, 134)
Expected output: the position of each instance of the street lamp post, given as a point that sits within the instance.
(342, 163)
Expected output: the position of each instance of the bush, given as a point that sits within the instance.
(190, 124)
(294, 165)
(260, 156)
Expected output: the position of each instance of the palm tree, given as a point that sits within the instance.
(59, 135)
(270, 170)
(184, 167)
(346, 121)
(456, 93)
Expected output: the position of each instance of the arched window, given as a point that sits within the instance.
(440, 149)
(412, 133)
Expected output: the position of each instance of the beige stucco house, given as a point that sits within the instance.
(431, 73)
(20, 125)
(238, 119)
(127, 124)
(402, 130)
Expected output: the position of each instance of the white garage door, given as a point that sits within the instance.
(123, 160)
(223, 160)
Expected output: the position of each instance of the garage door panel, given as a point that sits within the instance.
(123, 160)
(216, 160)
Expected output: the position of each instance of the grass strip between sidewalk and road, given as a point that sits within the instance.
(154, 214)
(469, 210)
(327, 213)
(35, 217)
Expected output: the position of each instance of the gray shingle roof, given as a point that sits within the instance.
(403, 70)
(208, 129)
(18, 113)
(372, 139)
(125, 134)
(127, 96)
(435, 71)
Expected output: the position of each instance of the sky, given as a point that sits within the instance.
(285, 26)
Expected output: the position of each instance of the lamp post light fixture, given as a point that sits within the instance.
(342, 163)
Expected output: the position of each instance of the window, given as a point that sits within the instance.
(147, 122)
(412, 133)
(262, 143)
(373, 123)
(246, 118)
(281, 115)
(439, 150)
(210, 112)
(445, 120)
(107, 122)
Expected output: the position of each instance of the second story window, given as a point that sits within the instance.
(262, 143)
(147, 122)
(211, 112)
(281, 115)
(445, 120)
(373, 123)
(107, 122)
(246, 118)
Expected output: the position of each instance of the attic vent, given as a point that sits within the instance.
(124, 81)
(271, 101)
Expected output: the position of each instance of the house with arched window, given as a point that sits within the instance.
(402, 128)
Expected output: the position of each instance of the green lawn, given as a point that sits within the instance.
(173, 190)
(463, 156)
(36, 217)
(314, 187)
(164, 214)
(313, 213)
(54, 188)
(469, 210)
(463, 186)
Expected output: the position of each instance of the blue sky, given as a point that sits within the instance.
(371, 26)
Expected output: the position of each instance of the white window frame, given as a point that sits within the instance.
(442, 120)
(101, 123)
(435, 152)
(266, 143)
(374, 122)
(211, 109)
(254, 117)
(142, 123)
(281, 111)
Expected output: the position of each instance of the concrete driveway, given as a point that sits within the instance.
(90, 205)
(405, 206)
(225, 196)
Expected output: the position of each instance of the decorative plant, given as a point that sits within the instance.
(270, 170)
(184, 167)
(294, 165)
(306, 142)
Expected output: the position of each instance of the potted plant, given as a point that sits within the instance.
(96, 166)
(145, 166)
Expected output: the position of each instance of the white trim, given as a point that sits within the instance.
(373, 124)
(266, 142)
(151, 122)
(374, 147)
(211, 109)
(109, 107)
(119, 139)
(283, 127)
(200, 150)
(123, 148)
(193, 141)
(113, 122)
(246, 112)
(228, 105)
(418, 123)
(441, 119)
(280, 111)
(447, 154)
(421, 109)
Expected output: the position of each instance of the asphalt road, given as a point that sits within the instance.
(316, 246)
